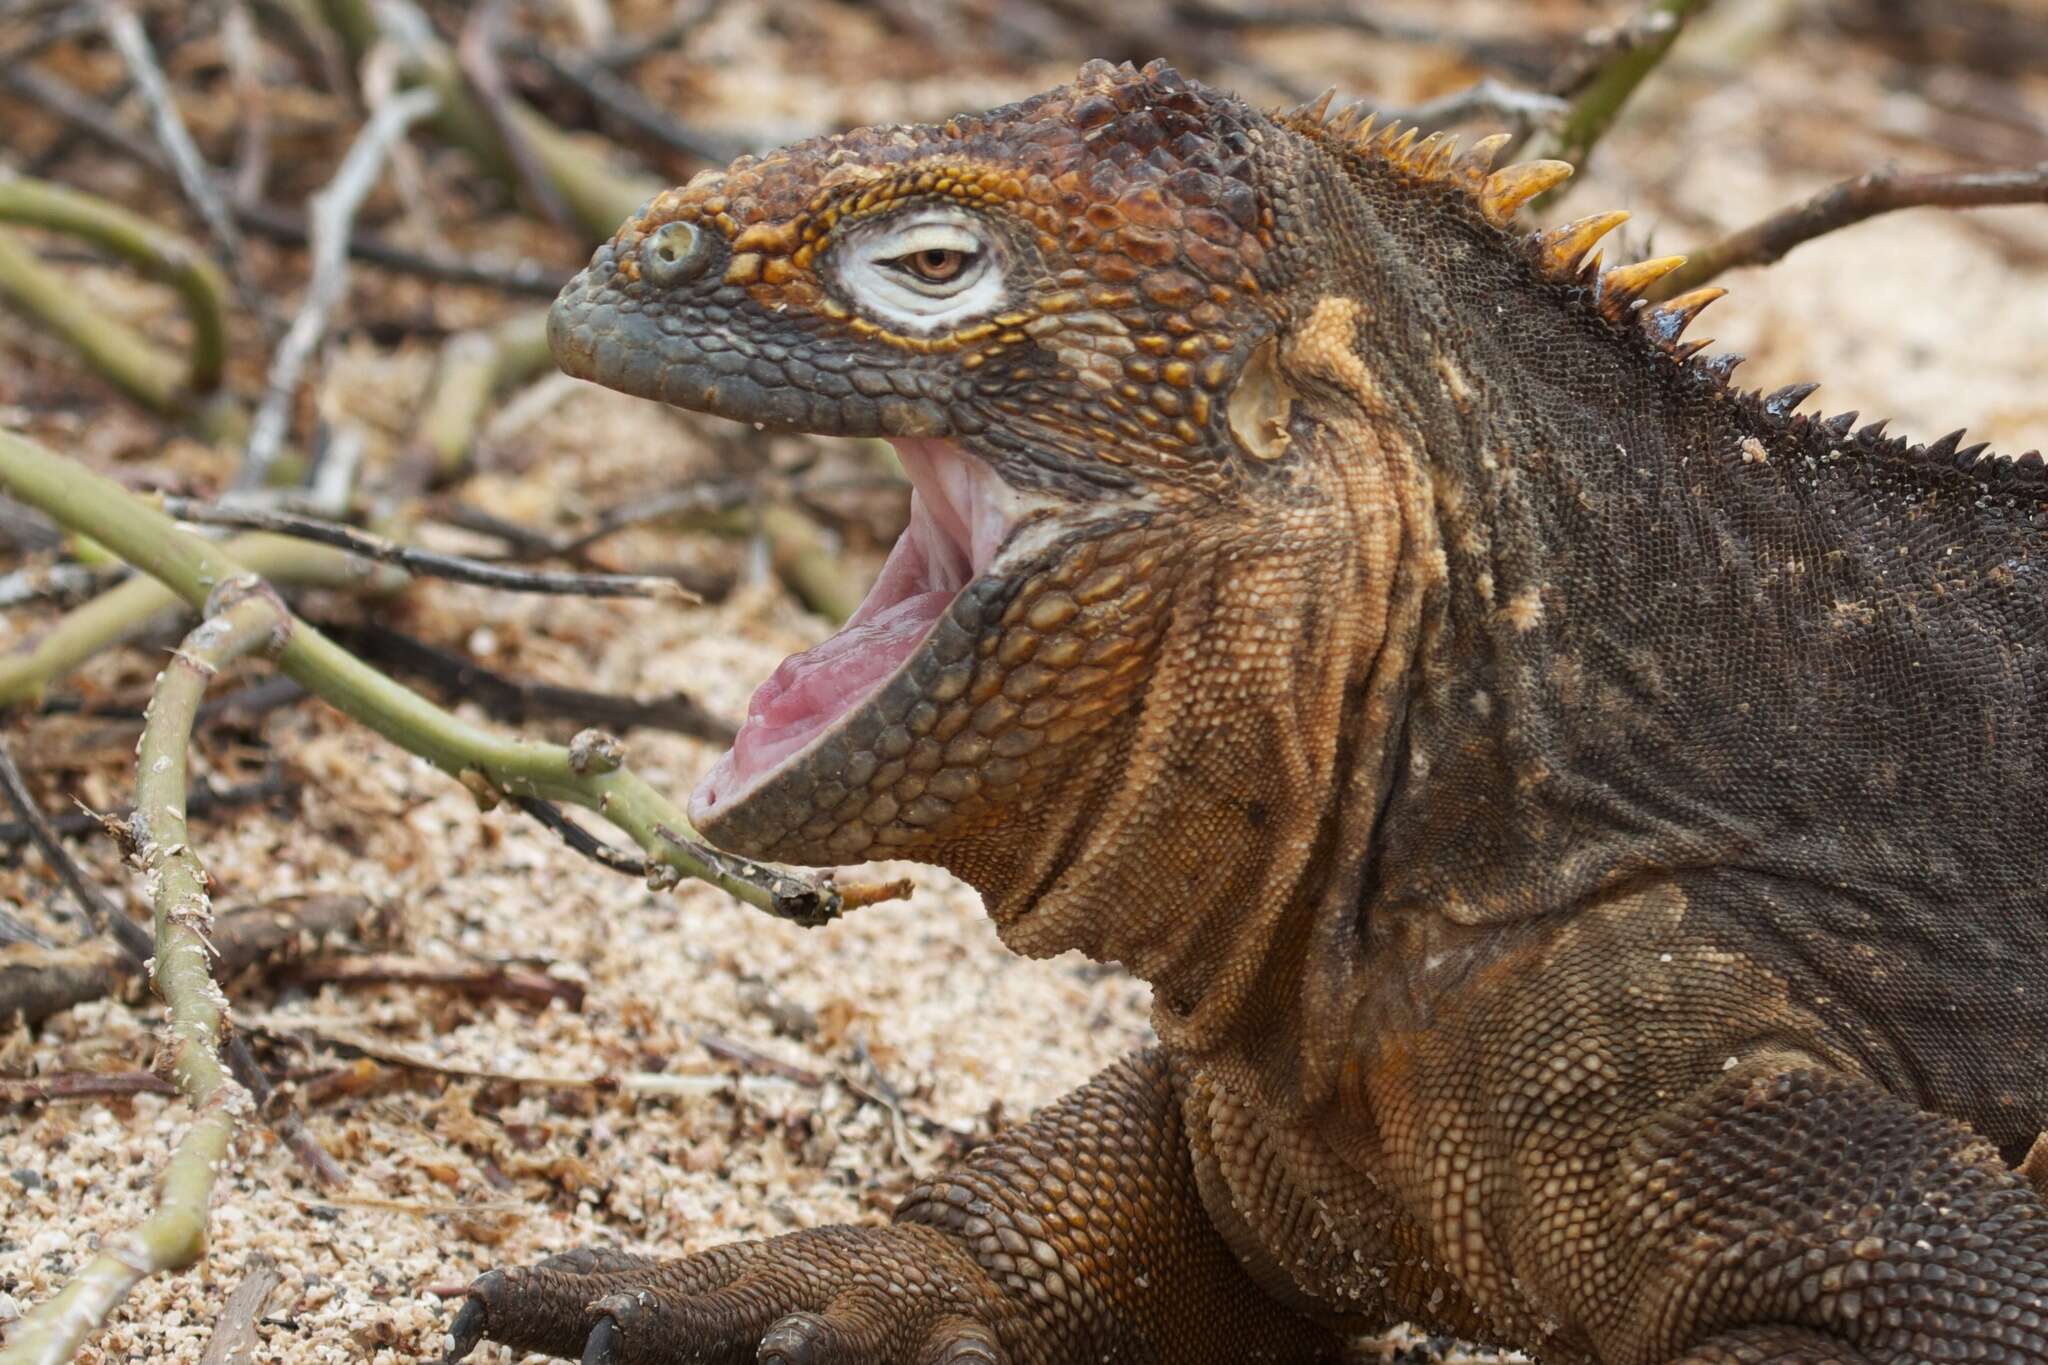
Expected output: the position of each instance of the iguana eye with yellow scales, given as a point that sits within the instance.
(924, 271)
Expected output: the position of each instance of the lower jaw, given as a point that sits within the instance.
(847, 796)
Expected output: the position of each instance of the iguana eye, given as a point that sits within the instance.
(926, 272)
(935, 264)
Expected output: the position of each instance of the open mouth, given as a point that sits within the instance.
(960, 515)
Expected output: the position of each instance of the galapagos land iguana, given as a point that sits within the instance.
(1582, 822)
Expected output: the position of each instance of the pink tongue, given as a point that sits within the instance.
(811, 689)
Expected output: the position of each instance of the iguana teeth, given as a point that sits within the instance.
(1667, 321)
(1510, 187)
(1564, 246)
(1476, 163)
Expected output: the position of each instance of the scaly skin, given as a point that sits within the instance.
(1581, 822)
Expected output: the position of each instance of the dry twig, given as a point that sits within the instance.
(333, 218)
(234, 1337)
(426, 563)
(476, 56)
(1851, 202)
(195, 177)
(491, 981)
(82, 1085)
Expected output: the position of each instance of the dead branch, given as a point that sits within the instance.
(1523, 110)
(36, 983)
(234, 1339)
(597, 82)
(600, 197)
(244, 51)
(333, 218)
(518, 700)
(510, 277)
(195, 177)
(344, 1035)
(476, 57)
(1848, 203)
(129, 937)
(205, 799)
(426, 563)
(485, 981)
(581, 839)
(82, 1085)
(271, 221)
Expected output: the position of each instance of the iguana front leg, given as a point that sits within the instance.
(1792, 1214)
(1078, 1237)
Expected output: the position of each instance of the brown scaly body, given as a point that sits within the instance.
(1581, 821)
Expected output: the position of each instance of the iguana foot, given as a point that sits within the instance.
(827, 1296)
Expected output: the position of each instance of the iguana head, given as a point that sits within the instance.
(1055, 312)
(1110, 330)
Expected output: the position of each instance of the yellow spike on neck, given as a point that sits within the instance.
(1565, 246)
(1510, 187)
(1631, 280)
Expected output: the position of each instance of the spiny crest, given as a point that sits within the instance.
(2014, 477)
(1567, 253)
(1564, 252)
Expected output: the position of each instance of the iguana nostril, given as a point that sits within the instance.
(673, 253)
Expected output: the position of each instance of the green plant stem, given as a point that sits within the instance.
(174, 1236)
(117, 352)
(490, 765)
(1598, 100)
(474, 366)
(125, 611)
(599, 197)
(805, 561)
(158, 254)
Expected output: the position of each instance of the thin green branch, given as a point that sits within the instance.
(588, 774)
(1599, 92)
(599, 197)
(123, 612)
(140, 369)
(473, 366)
(252, 620)
(161, 255)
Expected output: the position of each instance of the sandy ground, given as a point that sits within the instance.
(1935, 320)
